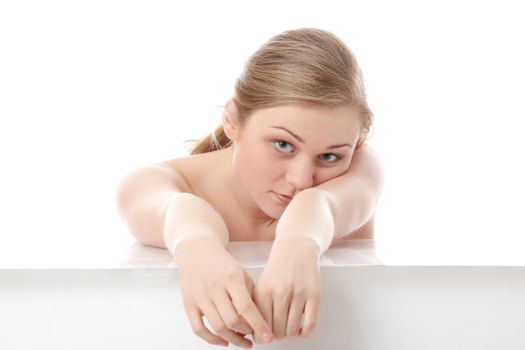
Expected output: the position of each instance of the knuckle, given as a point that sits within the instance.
(299, 293)
(233, 274)
(234, 322)
(213, 283)
(198, 330)
(244, 308)
(221, 329)
(264, 294)
(267, 293)
(237, 342)
(282, 291)
(315, 294)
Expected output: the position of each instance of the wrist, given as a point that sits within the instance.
(300, 243)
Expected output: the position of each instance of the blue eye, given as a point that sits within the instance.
(280, 145)
(286, 147)
(335, 159)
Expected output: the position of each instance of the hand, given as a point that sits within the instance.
(214, 285)
(290, 285)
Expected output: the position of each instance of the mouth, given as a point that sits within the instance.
(283, 198)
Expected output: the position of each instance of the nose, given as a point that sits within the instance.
(300, 174)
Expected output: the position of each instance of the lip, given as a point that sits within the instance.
(283, 198)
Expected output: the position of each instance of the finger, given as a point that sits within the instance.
(281, 305)
(264, 303)
(249, 283)
(311, 310)
(231, 317)
(294, 317)
(221, 329)
(245, 306)
(199, 329)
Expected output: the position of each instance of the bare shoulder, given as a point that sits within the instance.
(173, 164)
(178, 168)
(194, 169)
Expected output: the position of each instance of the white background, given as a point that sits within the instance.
(90, 90)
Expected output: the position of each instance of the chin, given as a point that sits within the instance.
(274, 213)
(271, 208)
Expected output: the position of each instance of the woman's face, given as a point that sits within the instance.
(283, 150)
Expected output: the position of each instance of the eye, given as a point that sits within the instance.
(282, 145)
(335, 158)
(286, 147)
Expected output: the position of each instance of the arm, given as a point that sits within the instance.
(343, 205)
(156, 205)
(312, 220)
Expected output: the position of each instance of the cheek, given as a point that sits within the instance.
(255, 165)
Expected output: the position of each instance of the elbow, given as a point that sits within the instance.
(123, 196)
(366, 231)
(142, 230)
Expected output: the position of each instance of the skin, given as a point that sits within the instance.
(285, 150)
(265, 159)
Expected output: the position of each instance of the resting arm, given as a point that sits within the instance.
(338, 207)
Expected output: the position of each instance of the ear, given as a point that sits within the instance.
(230, 120)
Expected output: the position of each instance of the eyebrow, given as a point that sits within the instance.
(302, 141)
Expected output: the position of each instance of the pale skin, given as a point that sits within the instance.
(306, 152)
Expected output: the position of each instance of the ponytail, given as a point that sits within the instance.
(213, 142)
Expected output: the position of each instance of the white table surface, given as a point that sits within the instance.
(125, 252)
(131, 254)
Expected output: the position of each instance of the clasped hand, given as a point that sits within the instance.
(215, 285)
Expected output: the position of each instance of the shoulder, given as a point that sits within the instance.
(173, 165)
(195, 171)
(180, 168)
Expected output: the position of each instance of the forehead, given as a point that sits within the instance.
(308, 119)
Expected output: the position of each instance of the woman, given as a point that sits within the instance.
(290, 164)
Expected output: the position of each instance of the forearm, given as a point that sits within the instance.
(313, 213)
(188, 216)
(308, 215)
(340, 206)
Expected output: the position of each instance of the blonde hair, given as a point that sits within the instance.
(304, 65)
